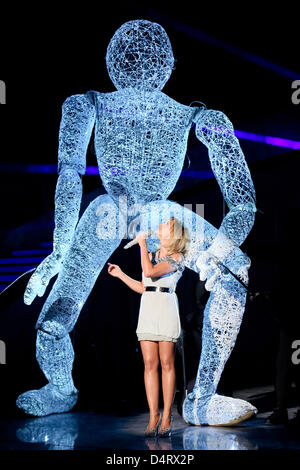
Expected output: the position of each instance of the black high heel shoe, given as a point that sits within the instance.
(152, 432)
(166, 432)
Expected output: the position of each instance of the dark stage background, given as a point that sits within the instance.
(239, 61)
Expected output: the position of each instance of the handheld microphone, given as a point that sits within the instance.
(134, 241)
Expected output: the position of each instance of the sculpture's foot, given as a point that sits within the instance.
(219, 411)
(46, 401)
(234, 421)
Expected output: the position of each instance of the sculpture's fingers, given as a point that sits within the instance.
(29, 295)
(243, 273)
(203, 272)
(203, 257)
(204, 264)
(31, 288)
(43, 282)
(211, 281)
(41, 290)
(38, 282)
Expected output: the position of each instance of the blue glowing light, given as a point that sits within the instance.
(31, 252)
(16, 269)
(34, 259)
(8, 277)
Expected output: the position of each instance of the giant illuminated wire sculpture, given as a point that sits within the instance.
(140, 140)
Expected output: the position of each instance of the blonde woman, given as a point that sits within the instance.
(159, 322)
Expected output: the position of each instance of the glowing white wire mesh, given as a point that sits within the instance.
(140, 140)
(140, 56)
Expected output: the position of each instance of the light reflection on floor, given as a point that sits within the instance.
(80, 430)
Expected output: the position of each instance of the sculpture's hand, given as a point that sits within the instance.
(40, 278)
(213, 272)
(208, 269)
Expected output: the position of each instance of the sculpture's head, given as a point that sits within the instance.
(140, 55)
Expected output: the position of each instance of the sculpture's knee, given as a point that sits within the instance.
(60, 317)
(50, 348)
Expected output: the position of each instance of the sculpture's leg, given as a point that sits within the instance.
(83, 263)
(222, 319)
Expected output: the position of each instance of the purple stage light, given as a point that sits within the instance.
(266, 139)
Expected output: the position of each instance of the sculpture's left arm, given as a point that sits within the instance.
(230, 168)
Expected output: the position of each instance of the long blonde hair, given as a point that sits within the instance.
(179, 238)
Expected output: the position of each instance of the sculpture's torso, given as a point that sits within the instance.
(140, 141)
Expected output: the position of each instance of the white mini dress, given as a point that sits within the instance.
(159, 318)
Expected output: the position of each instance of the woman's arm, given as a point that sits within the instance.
(116, 271)
(145, 260)
(164, 267)
(137, 286)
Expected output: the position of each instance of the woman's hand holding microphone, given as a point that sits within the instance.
(141, 237)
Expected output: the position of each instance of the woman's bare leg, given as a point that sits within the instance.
(151, 377)
(167, 358)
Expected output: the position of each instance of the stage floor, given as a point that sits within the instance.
(91, 430)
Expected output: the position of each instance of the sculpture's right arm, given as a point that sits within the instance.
(77, 122)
